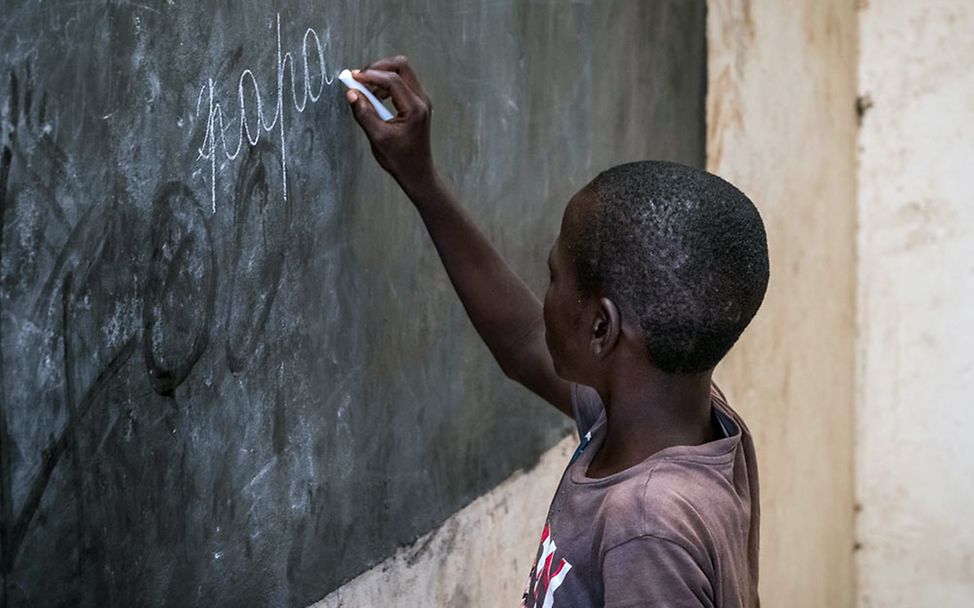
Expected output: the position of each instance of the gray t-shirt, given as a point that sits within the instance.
(679, 529)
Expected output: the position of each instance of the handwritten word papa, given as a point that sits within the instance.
(251, 128)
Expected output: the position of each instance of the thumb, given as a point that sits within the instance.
(364, 113)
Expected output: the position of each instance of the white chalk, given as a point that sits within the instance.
(346, 77)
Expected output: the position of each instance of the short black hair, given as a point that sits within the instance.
(681, 250)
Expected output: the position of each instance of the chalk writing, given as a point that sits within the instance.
(215, 135)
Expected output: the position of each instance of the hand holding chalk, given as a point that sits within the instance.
(349, 81)
(402, 146)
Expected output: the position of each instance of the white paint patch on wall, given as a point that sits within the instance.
(915, 466)
(481, 555)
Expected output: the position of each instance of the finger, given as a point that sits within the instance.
(365, 114)
(403, 97)
(400, 65)
(379, 91)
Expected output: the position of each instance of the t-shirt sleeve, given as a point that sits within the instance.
(587, 406)
(651, 571)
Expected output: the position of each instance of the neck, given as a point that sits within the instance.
(647, 411)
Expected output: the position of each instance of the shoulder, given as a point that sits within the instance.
(655, 529)
(683, 498)
(658, 503)
(684, 502)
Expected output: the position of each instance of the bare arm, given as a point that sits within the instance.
(505, 313)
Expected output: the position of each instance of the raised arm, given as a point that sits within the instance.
(506, 314)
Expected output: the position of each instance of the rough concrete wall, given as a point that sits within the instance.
(781, 126)
(481, 556)
(915, 477)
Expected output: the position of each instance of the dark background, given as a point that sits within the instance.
(215, 395)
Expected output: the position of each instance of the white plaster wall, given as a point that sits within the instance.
(481, 556)
(781, 125)
(915, 430)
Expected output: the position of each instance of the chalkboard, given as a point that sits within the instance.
(233, 370)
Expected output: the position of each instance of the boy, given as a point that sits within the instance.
(657, 270)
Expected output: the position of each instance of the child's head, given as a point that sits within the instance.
(672, 256)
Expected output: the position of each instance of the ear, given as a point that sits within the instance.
(605, 328)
